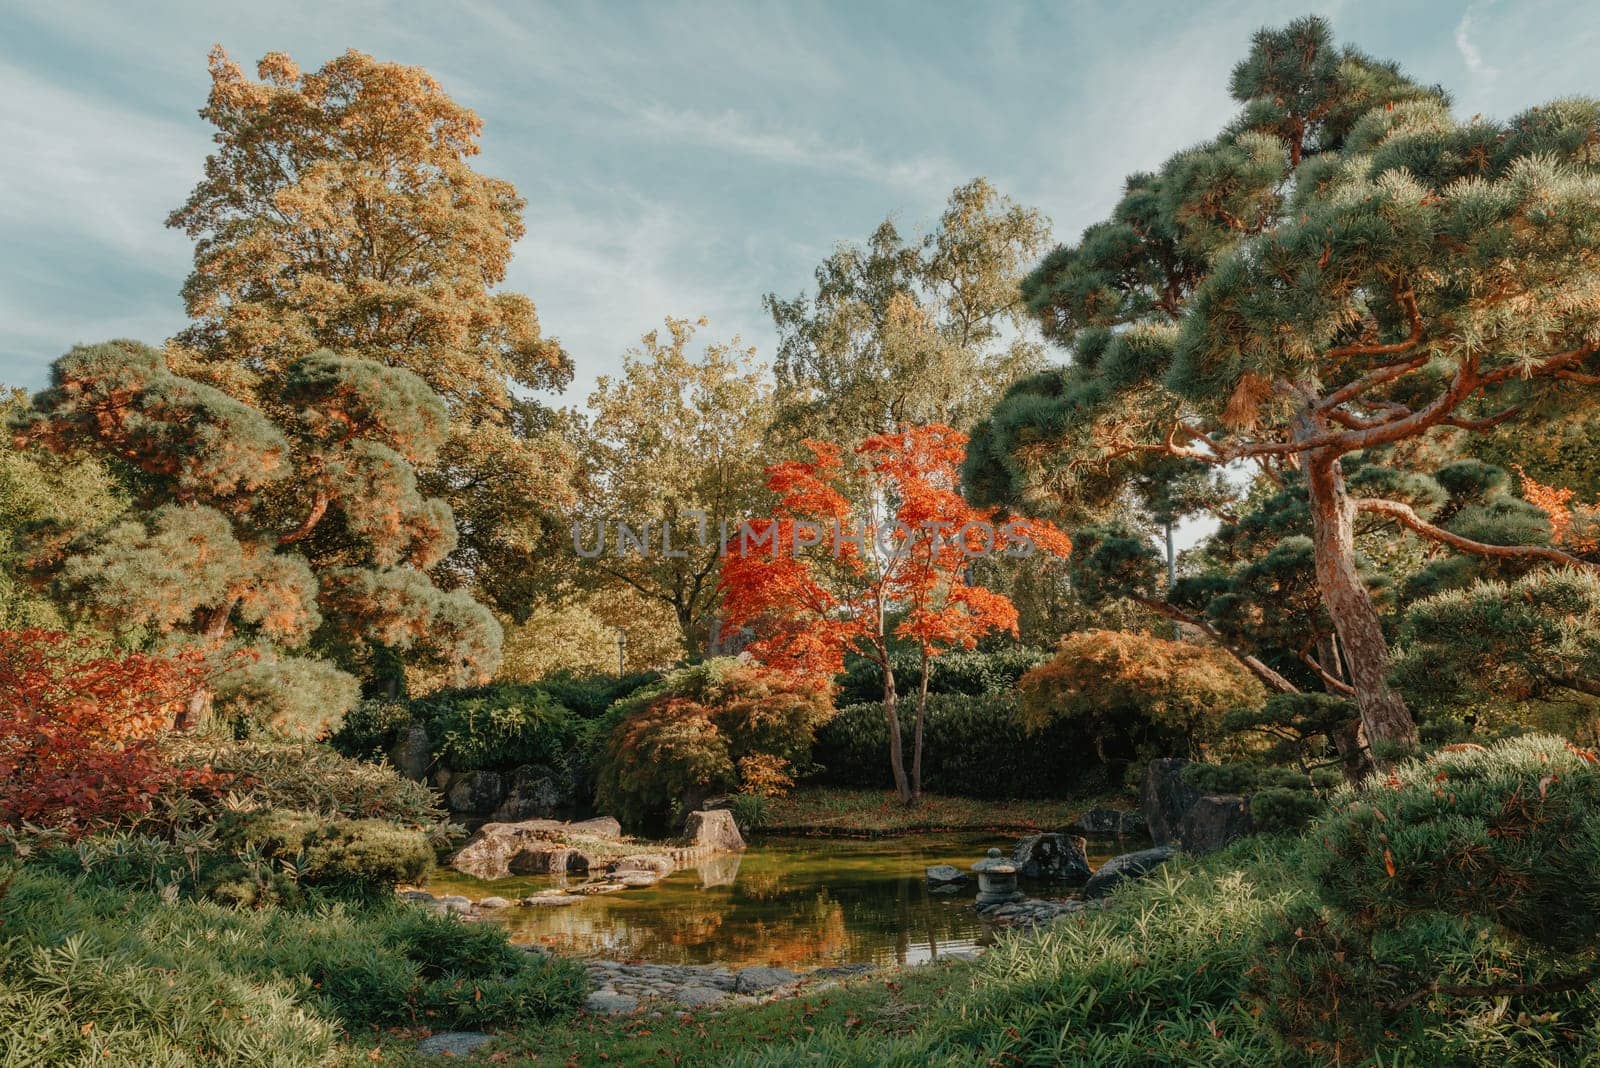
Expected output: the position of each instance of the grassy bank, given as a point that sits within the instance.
(848, 812)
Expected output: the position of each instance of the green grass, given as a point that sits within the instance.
(881, 1006)
(849, 812)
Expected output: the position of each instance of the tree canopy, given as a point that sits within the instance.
(1346, 266)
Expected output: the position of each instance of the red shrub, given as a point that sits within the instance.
(79, 730)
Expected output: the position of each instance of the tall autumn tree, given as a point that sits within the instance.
(672, 448)
(340, 211)
(829, 573)
(911, 330)
(1347, 266)
(248, 531)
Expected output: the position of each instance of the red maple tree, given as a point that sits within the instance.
(846, 551)
(79, 729)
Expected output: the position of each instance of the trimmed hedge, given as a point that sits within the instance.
(972, 746)
(972, 673)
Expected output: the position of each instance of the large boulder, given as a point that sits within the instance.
(1118, 870)
(541, 847)
(535, 793)
(1166, 798)
(475, 793)
(413, 753)
(1056, 857)
(714, 828)
(1213, 822)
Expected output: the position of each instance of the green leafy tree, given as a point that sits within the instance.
(672, 448)
(1347, 266)
(925, 330)
(246, 530)
(43, 494)
(339, 211)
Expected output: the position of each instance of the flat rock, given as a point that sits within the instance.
(654, 863)
(842, 971)
(695, 996)
(1128, 866)
(634, 880)
(946, 873)
(493, 903)
(453, 1043)
(541, 847)
(609, 1002)
(550, 901)
(758, 979)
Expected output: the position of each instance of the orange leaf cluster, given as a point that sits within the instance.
(816, 582)
(79, 731)
(1573, 527)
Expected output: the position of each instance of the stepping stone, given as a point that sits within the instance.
(610, 1003)
(756, 980)
(453, 1043)
(695, 996)
(494, 903)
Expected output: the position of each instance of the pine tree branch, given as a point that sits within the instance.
(1250, 663)
(1407, 517)
(1499, 990)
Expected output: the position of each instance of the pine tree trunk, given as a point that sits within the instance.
(1384, 715)
(916, 734)
(897, 755)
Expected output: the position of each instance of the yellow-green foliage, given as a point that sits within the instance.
(1136, 693)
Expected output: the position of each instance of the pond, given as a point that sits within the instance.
(785, 901)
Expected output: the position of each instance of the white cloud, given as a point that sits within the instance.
(735, 132)
(1469, 51)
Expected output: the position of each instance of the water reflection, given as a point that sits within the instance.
(787, 901)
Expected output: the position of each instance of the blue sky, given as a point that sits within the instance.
(677, 159)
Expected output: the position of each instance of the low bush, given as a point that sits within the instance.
(371, 728)
(974, 746)
(588, 696)
(971, 672)
(496, 726)
(90, 974)
(716, 727)
(1281, 799)
(364, 856)
(310, 777)
(80, 731)
(1459, 912)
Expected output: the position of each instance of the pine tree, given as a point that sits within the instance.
(1345, 267)
(250, 530)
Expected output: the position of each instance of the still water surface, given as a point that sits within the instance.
(785, 901)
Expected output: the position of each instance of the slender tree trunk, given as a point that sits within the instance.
(1354, 759)
(1172, 557)
(1384, 716)
(916, 734)
(897, 755)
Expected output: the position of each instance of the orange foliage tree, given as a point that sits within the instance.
(79, 730)
(848, 550)
(1574, 527)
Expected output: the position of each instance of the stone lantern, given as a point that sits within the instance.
(997, 880)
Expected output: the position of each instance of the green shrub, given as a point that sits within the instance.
(86, 969)
(371, 728)
(1461, 910)
(750, 811)
(973, 673)
(588, 696)
(496, 726)
(1275, 809)
(973, 747)
(358, 856)
(311, 777)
